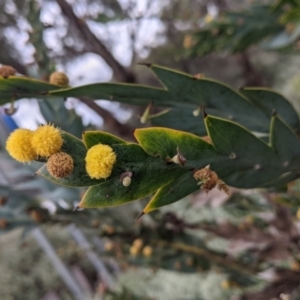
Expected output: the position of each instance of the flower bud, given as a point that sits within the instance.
(197, 112)
(126, 181)
(147, 251)
(138, 243)
(134, 251)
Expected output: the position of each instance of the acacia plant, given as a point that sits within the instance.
(273, 26)
(212, 135)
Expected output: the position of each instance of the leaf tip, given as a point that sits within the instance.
(203, 112)
(274, 113)
(76, 208)
(139, 216)
(135, 132)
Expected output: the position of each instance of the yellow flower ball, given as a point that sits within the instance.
(18, 145)
(147, 251)
(138, 243)
(100, 160)
(46, 140)
(134, 251)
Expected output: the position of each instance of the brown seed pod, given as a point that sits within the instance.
(59, 78)
(60, 165)
(6, 71)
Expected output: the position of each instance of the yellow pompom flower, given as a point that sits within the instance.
(100, 160)
(18, 145)
(46, 140)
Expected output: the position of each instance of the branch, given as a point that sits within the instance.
(287, 281)
(6, 58)
(93, 44)
(252, 76)
(211, 256)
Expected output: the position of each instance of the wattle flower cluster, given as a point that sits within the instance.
(25, 145)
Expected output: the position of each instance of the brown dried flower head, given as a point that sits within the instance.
(221, 185)
(59, 78)
(207, 178)
(6, 71)
(60, 165)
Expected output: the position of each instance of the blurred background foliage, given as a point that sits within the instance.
(203, 247)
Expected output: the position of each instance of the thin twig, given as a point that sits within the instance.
(213, 257)
(94, 44)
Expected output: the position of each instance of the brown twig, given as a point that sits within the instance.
(213, 257)
(252, 76)
(287, 281)
(94, 44)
